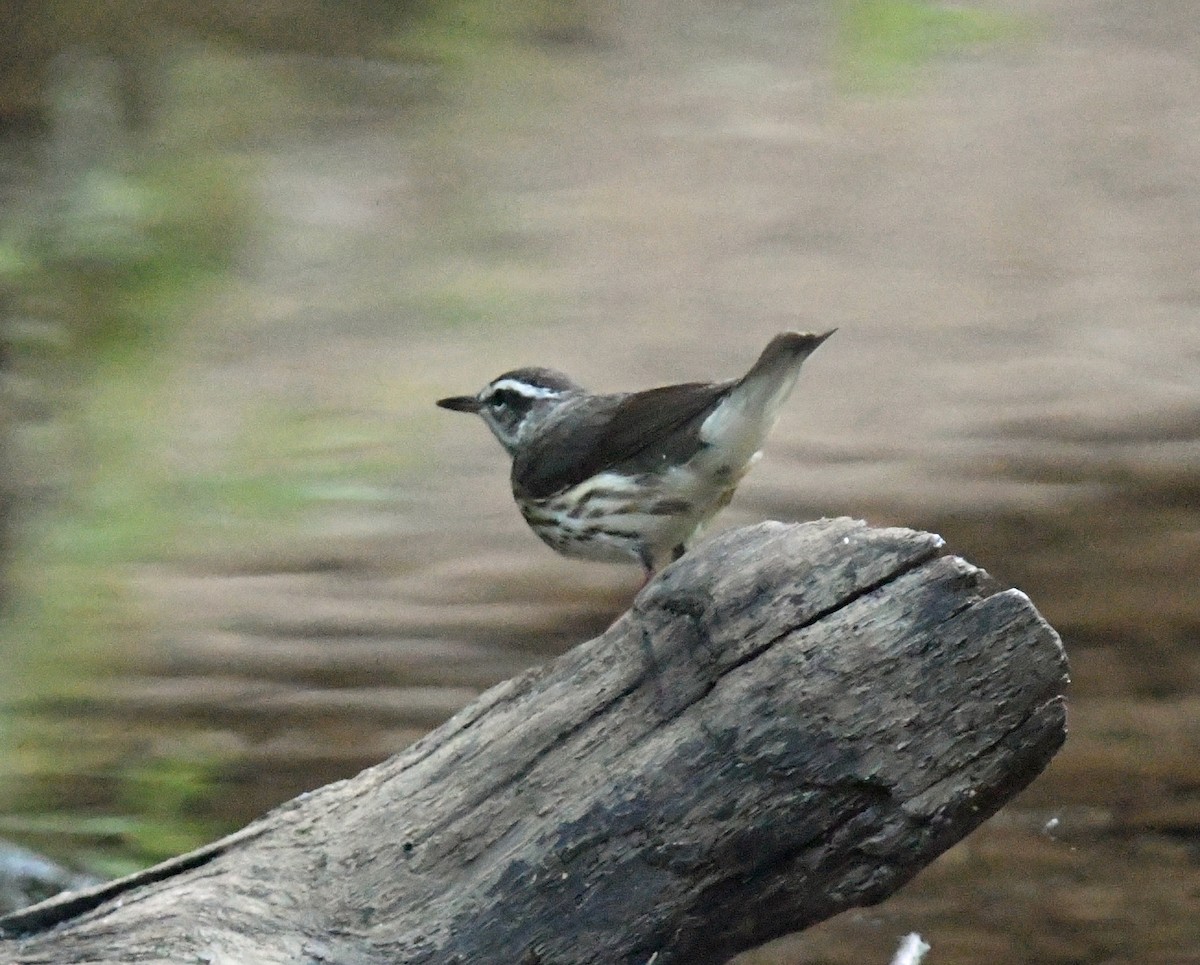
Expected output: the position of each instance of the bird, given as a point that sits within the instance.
(633, 476)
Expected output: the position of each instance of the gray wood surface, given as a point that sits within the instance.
(790, 721)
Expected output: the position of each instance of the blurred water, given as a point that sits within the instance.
(256, 558)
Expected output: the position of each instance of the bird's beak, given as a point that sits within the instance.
(460, 403)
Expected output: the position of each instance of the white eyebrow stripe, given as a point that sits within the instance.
(524, 388)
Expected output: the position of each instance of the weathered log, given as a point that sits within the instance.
(790, 721)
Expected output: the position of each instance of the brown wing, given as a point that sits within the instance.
(634, 433)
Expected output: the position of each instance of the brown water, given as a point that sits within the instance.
(1009, 244)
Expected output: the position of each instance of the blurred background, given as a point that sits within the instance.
(244, 247)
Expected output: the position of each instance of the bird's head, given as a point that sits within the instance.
(514, 403)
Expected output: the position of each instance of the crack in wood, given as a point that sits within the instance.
(814, 761)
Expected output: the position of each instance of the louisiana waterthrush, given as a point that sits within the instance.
(632, 476)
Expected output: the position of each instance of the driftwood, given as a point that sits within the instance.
(790, 721)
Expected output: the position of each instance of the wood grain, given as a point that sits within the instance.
(790, 721)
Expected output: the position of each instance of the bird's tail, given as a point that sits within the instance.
(783, 354)
(745, 416)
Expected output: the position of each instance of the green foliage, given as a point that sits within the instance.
(284, 465)
(882, 43)
(475, 298)
(114, 264)
(102, 269)
(458, 34)
(137, 228)
(162, 811)
(168, 797)
(122, 254)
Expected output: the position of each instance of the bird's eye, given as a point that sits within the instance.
(500, 399)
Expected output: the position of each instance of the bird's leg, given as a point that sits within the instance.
(647, 560)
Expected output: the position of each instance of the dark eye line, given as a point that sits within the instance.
(509, 398)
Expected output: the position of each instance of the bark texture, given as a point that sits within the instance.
(790, 721)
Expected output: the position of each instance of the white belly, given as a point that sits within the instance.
(617, 519)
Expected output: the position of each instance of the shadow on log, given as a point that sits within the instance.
(790, 721)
